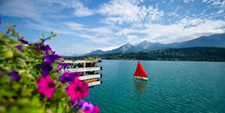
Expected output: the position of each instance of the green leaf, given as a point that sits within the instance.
(13, 42)
(21, 63)
(8, 24)
(35, 101)
(14, 26)
(2, 47)
(6, 66)
(6, 54)
(8, 30)
(23, 101)
(51, 32)
(43, 35)
(39, 41)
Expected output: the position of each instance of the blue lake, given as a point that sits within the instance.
(172, 87)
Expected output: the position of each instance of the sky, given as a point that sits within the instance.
(87, 25)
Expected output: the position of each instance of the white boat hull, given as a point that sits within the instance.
(141, 78)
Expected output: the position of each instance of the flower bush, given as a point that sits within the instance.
(31, 78)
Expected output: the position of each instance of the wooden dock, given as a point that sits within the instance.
(88, 69)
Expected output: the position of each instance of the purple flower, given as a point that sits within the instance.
(46, 68)
(75, 74)
(20, 47)
(15, 76)
(42, 40)
(46, 48)
(69, 77)
(37, 46)
(65, 77)
(60, 67)
(52, 58)
(23, 41)
(75, 102)
(65, 65)
(87, 106)
(81, 103)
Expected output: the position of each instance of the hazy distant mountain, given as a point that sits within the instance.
(217, 40)
(97, 52)
(76, 55)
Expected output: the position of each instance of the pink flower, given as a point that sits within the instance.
(96, 109)
(46, 86)
(77, 89)
(87, 111)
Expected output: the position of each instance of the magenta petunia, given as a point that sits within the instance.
(46, 86)
(96, 109)
(86, 111)
(77, 89)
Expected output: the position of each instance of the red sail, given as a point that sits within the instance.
(140, 71)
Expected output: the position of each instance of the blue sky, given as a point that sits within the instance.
(87, 25)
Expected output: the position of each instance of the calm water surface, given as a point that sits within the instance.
(172, 87)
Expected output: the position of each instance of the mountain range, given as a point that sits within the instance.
(216, 40)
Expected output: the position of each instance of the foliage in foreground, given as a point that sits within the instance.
(31, 78)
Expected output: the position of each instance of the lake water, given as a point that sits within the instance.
(172, 87)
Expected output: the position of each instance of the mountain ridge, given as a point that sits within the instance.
(215, 40)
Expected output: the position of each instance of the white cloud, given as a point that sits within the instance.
(133, 39)
(74, 26)
(108, 48)
(36, 9)
(101, 30)
(96, 39)
(220, 3)
(220, 11)
(76, 49)
(215, 3)
(185, 29)
(80, 10)
(20, 8)
(127, 11)
(48, 27)
(187, 1)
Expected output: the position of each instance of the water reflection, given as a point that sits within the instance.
(139, 87)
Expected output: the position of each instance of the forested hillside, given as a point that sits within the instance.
(183, 54)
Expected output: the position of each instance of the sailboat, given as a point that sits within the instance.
(140, 72)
